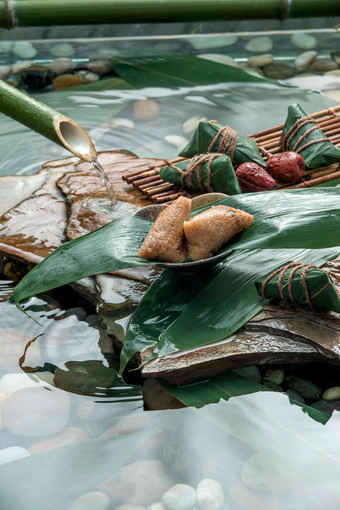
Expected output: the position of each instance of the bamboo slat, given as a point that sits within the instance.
(268, 141)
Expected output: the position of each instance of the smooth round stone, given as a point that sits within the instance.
(273, 386)
(121, 122)
(176, 141)
(145, 109)
(12, 453)
(61, 65)
(140, 483)
(333, 94)
(99, 66)
(219, 59)
(336, 57)
(69, 436)
(210, 42)
(180, 497)
(250, 372)
(191, 124)
(323, 406)
(260, 60)
(156, 506)
(80, 313)
(259, 44)
(336, 72)
(304, 60)
(253, 70)
(24, 49)
(91, 501)
(36, 412)
(66, 80)
(209, 494)
(331, 393)
(10, 383)
(130, 507)
(304, 41)
(323, 65)
(307, 389)
(62, 50)
(249, 500)
(91, 77)
(5, 72)
(20, 67)
(295, 395)
(279, 71)
(6, 46)
(275, 376)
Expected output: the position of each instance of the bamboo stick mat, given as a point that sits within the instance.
(268, 141)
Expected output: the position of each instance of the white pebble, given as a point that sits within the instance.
(209, 494)
(62, 50)
(180, 497)
(260, 60)
(219, 59)
(24, 49)
(36, 412)
(6, 46)
(20, 67)
(130, 507)
(10, 383)
(305, 59)
(91, 501)
(191, 124)
(304, 41)
(90, 77)
(209, 42)
(12, 453)
(61, 65)
(259, 44)
(176, 141)
(5, 72)
(332, 393)
(156, 506)
(120, 122)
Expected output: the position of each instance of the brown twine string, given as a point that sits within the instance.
(294, 130)
(295, 266)
(331, 111)
(229, 139)
(196, 164)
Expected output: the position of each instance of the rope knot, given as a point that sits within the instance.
(288, 137)
(195, 166)
(228, 141)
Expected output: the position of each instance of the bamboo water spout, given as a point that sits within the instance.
(46, 121)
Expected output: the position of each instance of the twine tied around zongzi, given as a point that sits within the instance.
(195, 165)
(228, 141)
(288, 137)
(295, 266)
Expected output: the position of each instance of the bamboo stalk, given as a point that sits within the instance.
(315, 182)
(79, 12)
(46, 121)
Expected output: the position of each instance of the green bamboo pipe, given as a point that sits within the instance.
(46, 121)
(75, 12)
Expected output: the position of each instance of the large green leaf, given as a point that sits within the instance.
(223, 387)
(227, 299)
(283, 219)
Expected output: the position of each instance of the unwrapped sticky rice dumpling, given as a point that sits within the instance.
(166, 241)
(208, 231)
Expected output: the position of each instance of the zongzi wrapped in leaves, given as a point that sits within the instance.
(301, 134)
(165, 240)
(204, 173)
(209, 230)
(211, 136)
(303, 284)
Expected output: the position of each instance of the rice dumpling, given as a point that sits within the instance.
(209, 230)
(165, 241)
(302, 134)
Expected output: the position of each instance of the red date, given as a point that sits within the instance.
(252, 177)
(286, 167)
